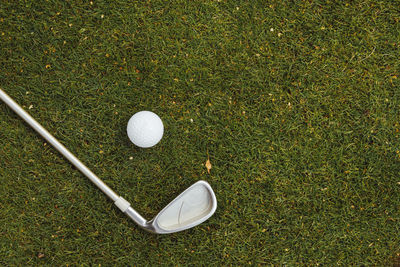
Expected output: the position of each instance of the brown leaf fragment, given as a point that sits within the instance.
(208, 165)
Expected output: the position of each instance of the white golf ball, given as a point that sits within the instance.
(145, 129)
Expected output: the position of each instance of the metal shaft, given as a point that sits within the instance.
(57, 145)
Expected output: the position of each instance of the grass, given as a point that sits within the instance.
(295, 103)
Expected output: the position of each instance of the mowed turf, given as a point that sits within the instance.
(295, 104)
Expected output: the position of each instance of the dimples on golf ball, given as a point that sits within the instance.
(145, 129)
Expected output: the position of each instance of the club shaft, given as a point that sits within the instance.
(57, 145)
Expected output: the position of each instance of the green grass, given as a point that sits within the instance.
(295, 103)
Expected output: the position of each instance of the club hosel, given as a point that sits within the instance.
(126, 208)
(136, 217)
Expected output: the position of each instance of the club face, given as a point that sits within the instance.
(192, 207)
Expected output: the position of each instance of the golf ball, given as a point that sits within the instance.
(145, 129)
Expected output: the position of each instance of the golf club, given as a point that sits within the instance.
(192, 207)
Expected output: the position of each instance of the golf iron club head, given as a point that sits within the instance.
(192, 207)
